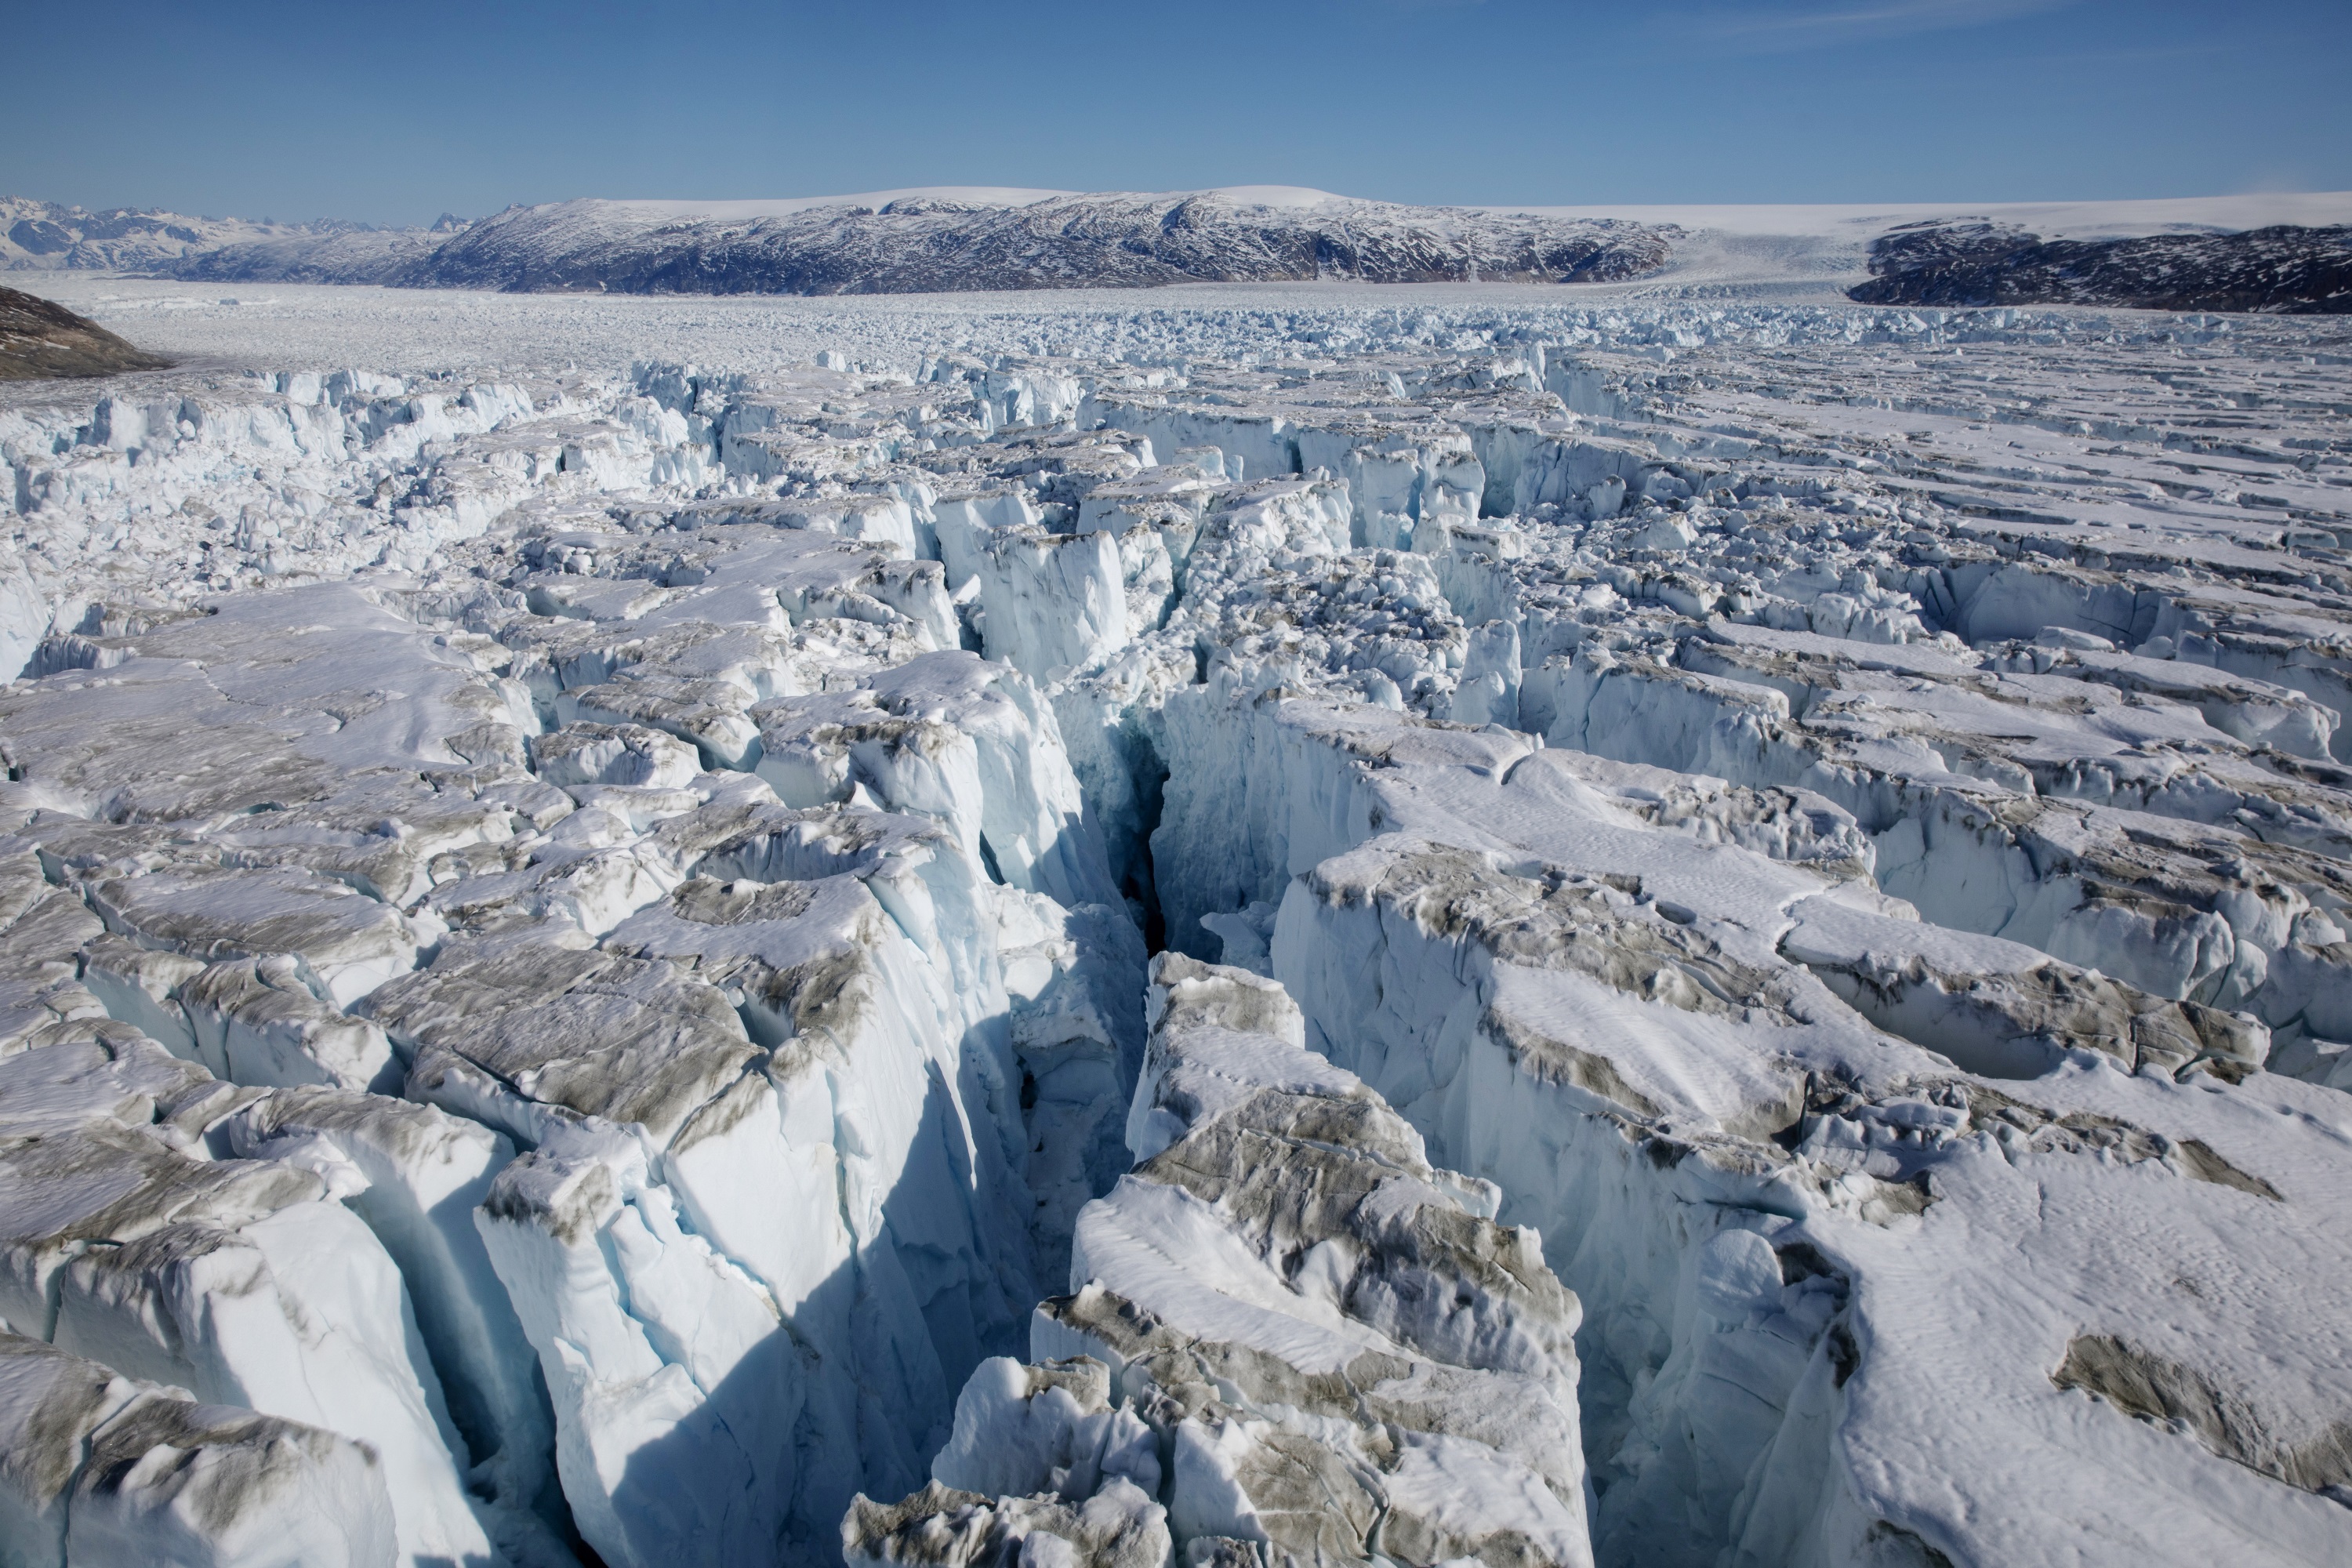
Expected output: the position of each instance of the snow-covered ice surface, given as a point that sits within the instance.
(1752, 902)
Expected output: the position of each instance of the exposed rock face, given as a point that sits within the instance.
(2298, 271)
(39, 340)
(951, 239)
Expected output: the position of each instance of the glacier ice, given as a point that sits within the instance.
(1314, 927)
(1288, 1337)
(102, 1468)
(237, 1280)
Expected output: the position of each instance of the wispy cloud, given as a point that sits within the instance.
(1775, 30)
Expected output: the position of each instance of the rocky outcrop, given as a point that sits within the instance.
(40, 340)
(2286, 269)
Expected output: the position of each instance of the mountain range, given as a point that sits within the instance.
(2276, 254)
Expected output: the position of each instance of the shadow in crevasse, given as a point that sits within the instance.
(855, 1393)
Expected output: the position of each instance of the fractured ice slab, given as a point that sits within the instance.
(99, 1468)
(240, 1280)
(2002, 1009)
(1120, 1526)
(1289, 1335)
(950, 736)
(777, 1194)
(351, 944)
(419, 1173)
(1608, 1007)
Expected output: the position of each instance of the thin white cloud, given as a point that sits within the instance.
(1775, 30)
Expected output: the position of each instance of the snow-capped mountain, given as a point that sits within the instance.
(347, 256)
(46, 237)
(958, 239)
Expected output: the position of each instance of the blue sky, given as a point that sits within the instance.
(398, 113)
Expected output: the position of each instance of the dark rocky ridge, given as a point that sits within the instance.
(39, 340)
(2286, 269)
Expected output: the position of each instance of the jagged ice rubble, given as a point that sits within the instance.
(1313, 930)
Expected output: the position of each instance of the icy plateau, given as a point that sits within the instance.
(1297, 931)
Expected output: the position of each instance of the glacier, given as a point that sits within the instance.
(1284, 927)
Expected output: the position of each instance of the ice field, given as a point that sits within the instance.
(1233, 925)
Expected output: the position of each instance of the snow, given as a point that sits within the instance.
(951, 240)
(784, 206)
(962, 237)
(1825, 246)
(1781, 872)
(43, 236)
